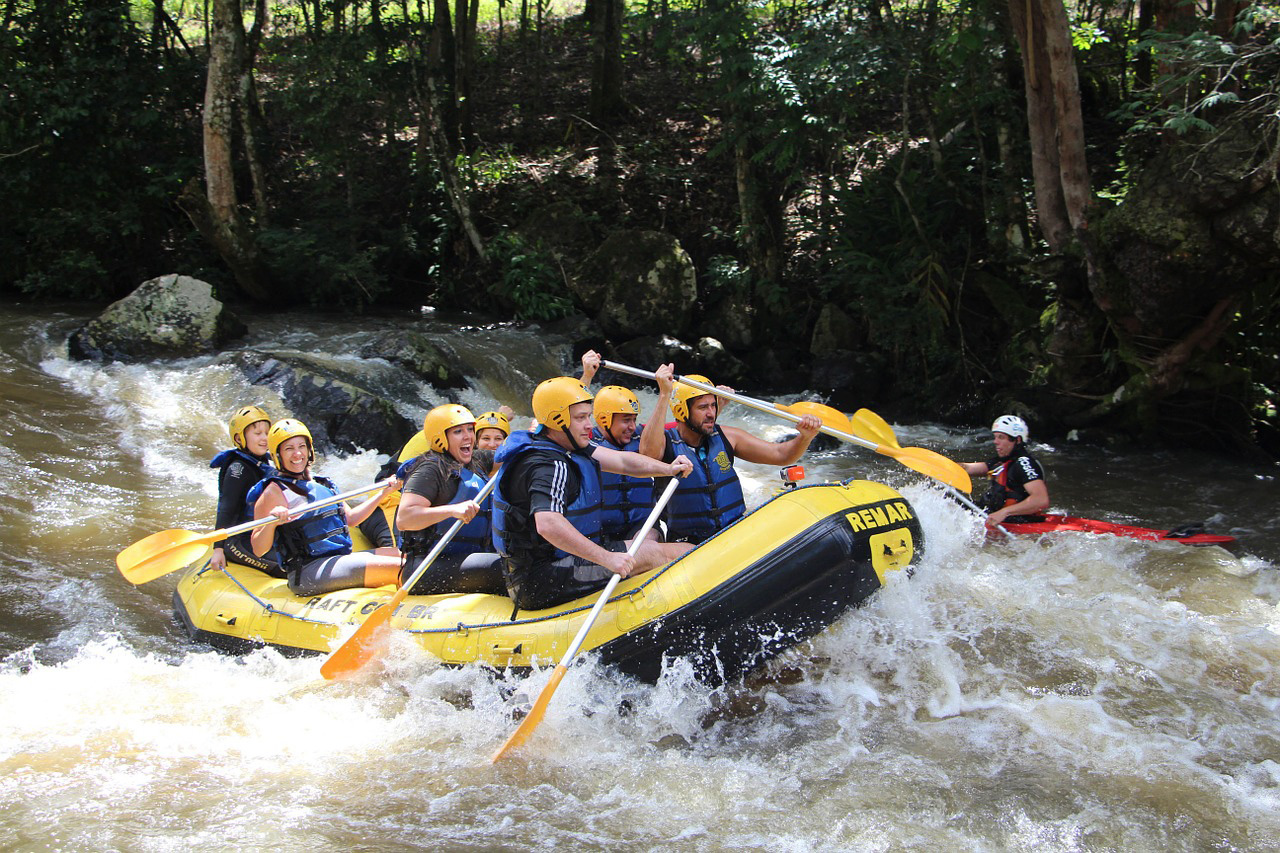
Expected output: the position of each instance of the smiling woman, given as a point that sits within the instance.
(442, 485)
(314, 547)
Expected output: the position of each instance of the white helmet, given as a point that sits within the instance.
(1012, 426)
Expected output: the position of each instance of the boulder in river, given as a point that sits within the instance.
(173, 316)
(340, 411)
(419, 354)
(638, 283)
(848, 379)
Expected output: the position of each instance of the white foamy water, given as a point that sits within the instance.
(1065, 693)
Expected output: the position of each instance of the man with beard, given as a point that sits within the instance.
(710, 499)
(547, 517)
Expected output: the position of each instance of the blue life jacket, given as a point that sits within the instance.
(626, 500)
(318, 533)
(514, 532)
(710, 498)
(223, 461)
(472, 538)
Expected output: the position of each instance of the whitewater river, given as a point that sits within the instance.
(1076, 693)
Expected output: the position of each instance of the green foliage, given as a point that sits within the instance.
(529, 281)
(95, 141)
(486, 169)
(1202, 72)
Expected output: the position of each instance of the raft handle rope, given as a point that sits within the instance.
(650, 578)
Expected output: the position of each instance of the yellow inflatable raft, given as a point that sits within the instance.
(775, 577)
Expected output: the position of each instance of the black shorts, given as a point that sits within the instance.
(565, 579)
(660, 528)
(456, 573)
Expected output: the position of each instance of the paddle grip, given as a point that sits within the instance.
(958, 495)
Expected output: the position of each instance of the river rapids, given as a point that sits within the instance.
(1051, 694)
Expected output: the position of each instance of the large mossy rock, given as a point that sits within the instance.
(1179, 262)
(173, 316)
(419, 355)
(833, 332)
(562, 227)
(849, 380)
(339, 409)
(638, 283)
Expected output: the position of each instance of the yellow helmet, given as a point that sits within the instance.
(245, 417)
(681, 396)
(440, 420)
(494, 420)
(282, 431)
(553, 397)
(614, 400)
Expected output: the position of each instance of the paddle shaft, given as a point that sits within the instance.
(880, 430)
(572, 651)
(449, 534)
(358, 648)
(749, 402)
(293, 514)
(973, 507)
(530, 722)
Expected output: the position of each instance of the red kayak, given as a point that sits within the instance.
(1188, 534)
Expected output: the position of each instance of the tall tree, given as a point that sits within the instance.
(1054, 120)
(606, 68)
(216, 213)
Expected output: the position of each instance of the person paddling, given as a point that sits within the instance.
(711, 498)
(546, 510)
(315, 548)
(440, 486)
(1018, 492)
(625, 500)
(239, 469)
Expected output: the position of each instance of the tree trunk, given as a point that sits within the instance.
(464, 55)
(219, 219)
(442, 67)
(607, 100)
(438, 146)
(1054, 122)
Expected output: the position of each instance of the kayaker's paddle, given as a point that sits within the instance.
(871, 426)
(927, 462)
(539, 709)
(362, 647)
(169, 550)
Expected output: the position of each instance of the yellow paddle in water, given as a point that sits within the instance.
(169, 550)
(539, 709)
(927, 462)
(362, 646)
(870, 425)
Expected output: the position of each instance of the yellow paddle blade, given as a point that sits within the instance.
(365, 644)
(869, 425)
(829, 416)
(931, 464)
(161, 553)
(536, 713)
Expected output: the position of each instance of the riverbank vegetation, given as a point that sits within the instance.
(1070, 211)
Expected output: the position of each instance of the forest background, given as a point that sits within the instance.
(940, 209)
